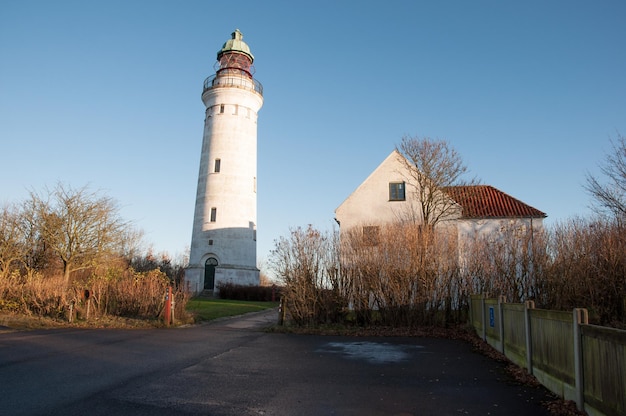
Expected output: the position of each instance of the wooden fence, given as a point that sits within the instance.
(577, 361)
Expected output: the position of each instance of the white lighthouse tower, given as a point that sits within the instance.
(223, 242)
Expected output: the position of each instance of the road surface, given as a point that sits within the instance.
(232, 367)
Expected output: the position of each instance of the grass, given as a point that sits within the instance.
(207, 309)
(202, 310)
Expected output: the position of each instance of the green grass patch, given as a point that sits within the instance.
(207, 309)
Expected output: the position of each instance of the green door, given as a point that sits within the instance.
(209, 273)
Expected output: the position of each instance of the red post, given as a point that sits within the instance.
(168, 305)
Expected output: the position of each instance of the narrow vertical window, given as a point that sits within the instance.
(217, 166)
(396, 191)
(221, 108)
(213, 214)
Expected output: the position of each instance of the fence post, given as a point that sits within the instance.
(281, 311)
(581, 317)
(483, 319)
(528, 305)
(501, 302)
(168, 305)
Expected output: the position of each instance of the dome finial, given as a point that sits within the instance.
(235, 44)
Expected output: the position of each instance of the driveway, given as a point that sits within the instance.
(232, 367)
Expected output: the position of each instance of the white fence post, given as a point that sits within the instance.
(482, 315)
(581, 317)
(501, 302)
(528, 305)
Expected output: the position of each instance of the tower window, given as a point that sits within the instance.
(396, 191)
(213, 214)
(221, 108)
(218, 163)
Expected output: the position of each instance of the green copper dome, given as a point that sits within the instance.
(235, 44)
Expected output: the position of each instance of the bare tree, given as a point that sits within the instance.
(12, 247)
(433, 165)
(81, 227)
(611, 197)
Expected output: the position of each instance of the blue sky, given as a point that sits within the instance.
(107, 94)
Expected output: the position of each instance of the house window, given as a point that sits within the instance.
(396, 191)
(218, 162)
(213, 214)
(371, 235)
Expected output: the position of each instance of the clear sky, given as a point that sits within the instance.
(107, 94)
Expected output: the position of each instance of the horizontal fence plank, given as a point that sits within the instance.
(604, 368)
(553, 343)
(515, 333)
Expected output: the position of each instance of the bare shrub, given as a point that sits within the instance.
(251, 293)
(135, 294)
(113, 292)
(408, 274)
(307, 265)
(33, 294)
(509, 262)
(588, 269)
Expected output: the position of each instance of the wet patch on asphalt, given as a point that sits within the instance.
(372, 352)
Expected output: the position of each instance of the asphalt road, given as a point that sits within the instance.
(232, 368)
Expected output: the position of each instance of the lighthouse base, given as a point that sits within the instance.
(195, 278)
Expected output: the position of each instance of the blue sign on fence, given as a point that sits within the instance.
(492, 317)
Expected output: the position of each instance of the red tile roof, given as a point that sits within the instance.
(484, 201)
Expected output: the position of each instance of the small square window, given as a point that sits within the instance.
(396, 191)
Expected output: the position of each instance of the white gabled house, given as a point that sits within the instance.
(387, 196)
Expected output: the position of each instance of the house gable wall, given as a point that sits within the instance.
(369, 204)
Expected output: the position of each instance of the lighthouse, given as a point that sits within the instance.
(223, 241)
